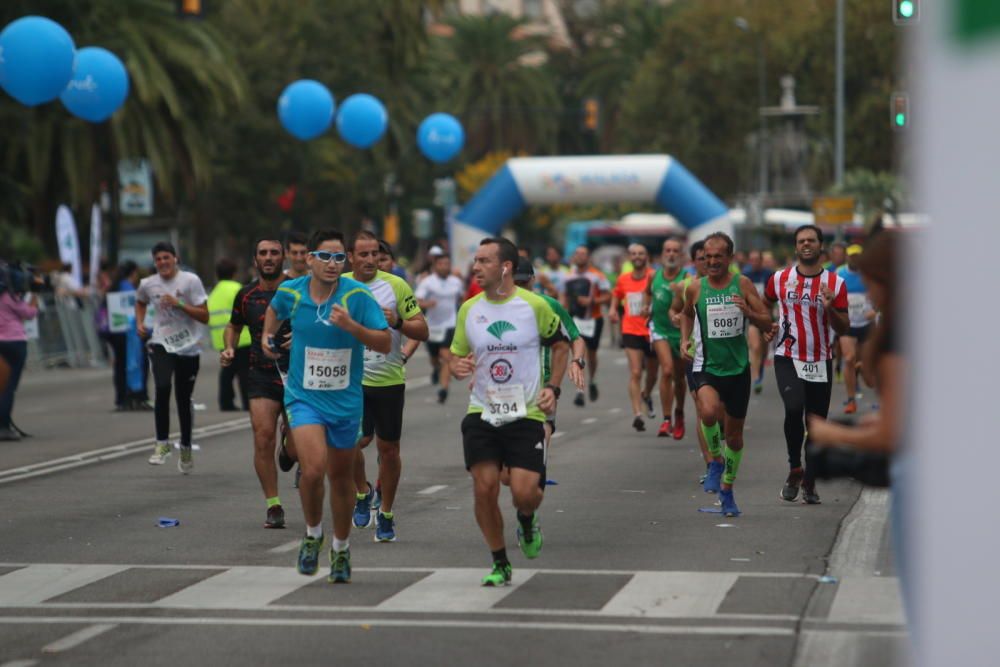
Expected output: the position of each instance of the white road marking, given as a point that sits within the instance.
(558, 434)
(671, 594)
(856, 551)
(20, 663)
(37, 583)
(615, 411)
(452, 590)
(867, 600)
(238, 588)
(589, 420)
(356, 623)
(72, 641)
(286, 547)
(432, 489)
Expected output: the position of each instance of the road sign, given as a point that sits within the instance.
(833, 210)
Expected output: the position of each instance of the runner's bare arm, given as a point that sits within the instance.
(140, 319)
(416, 328)
(271, 324)
(379, 340)
(230, 335)
(462, 367)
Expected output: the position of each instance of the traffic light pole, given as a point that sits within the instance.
(838, 160)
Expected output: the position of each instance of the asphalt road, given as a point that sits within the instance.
(631, 572)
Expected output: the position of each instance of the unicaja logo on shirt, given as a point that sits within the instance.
(499, 328)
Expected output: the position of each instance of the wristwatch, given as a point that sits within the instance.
(399, 323)
(555, 390)
(581, 362)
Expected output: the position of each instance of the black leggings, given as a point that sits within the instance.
(183, 371)
(801, 398)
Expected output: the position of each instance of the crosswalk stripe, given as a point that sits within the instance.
(452, 590)
(238, 588)
(79, 637)
(671, 594)
(36, 583)
(867, 600)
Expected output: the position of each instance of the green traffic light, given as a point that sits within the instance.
(906, 9)
(900, 120)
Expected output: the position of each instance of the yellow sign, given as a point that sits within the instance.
(833, 210)
(390, 229)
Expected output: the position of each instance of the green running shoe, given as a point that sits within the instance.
(530, 540)
(309, 555)
(340, 567)
(500, 576)
(186, 462)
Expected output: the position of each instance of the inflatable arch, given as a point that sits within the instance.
(587, 179)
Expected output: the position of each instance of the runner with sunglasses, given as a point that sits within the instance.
(333, 320)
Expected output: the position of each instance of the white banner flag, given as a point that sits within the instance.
(69, 243)
(95, 244)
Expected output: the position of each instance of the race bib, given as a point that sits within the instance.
(504, 404)
(634, 301)
(810, 371)
(373, 358)
(326, 370)
(857, 307)
(725, 320)
(587, 327)
(176, 336)
(437, 334)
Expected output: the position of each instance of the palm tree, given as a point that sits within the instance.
(504, 98)
(182, 75)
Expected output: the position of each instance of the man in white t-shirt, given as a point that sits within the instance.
(440, 294)
(181, 309)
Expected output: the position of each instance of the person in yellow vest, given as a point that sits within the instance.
(220, 308)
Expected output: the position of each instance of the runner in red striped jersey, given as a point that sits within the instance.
(812, 307)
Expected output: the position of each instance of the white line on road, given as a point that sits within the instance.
(37, 583)
(589, 420)
(432, 489)
(286, 547)
(357, 623)
(72, 641)
(558, 434)
(20, 663)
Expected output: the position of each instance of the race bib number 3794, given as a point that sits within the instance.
(326, 370)
(504, 404)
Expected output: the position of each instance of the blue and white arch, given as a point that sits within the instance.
(587, 179)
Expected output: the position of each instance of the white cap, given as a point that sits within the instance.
(435, 251)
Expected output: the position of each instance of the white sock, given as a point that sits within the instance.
(340, 545)
(315, 531)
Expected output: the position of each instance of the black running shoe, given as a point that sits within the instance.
(275, 517)
(809, 495)
(638, 424)
(285, 462)
(790, 491)
(593, 392)
(442, 395)
(579, 401)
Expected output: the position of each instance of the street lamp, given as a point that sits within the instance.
(762, 187)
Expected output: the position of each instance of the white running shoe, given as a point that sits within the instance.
(186, 462)
(161, 452)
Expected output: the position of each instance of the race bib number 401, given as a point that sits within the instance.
(725, 320)
(504, 404)
(810, 371)
(326, 370)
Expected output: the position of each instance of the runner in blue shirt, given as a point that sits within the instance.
(758, 275)
(333, 319)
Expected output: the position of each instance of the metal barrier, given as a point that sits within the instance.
(66, 333)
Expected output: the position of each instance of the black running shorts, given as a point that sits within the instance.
(634, 342)
(435, 348)
(264, 384)
(519, 444)
(383, 412)
(594, 342)
(734, 390)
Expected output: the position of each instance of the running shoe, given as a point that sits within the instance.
(704, 475)
(377, 500)
(275, 517)
(309, 555)
(186, 462)
(363, 508)
(729, 507)
(530, 540)
(385, 528)
(340, 567)
(500, 576)
(758, 386)
(678, 428)
(579, 400)
(435, 376)
(809, 495)
(638, 424)
(593, 392)
(664, 431)
(850, 406)
(442, 395)
(790, 491)
(285, 462)
(713, 481)
(648, 400)
(161, 452)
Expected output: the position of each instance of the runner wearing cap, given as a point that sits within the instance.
(861, 314)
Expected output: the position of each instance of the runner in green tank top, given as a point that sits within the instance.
(716, 311)
(665, 337)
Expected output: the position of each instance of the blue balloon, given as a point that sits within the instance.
(99, 85)
(36, 59)
(440, 137)
(362, 120)
(305, 108)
